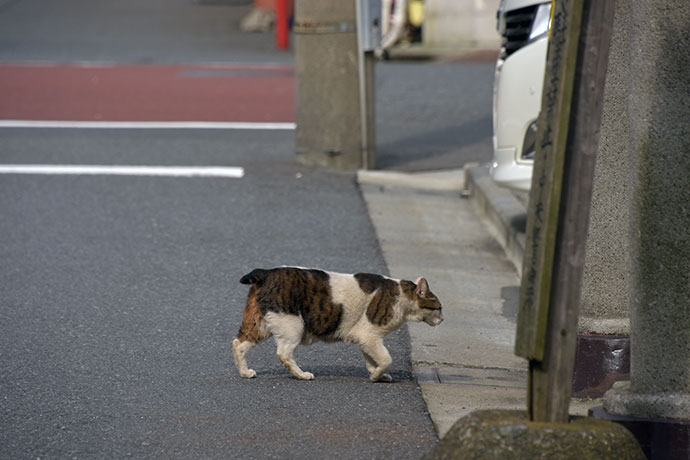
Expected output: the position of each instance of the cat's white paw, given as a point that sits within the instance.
(382, 378)
(249, 374)
(306, 376)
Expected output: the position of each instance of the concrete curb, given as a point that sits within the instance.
(447, 180)
(501, 211)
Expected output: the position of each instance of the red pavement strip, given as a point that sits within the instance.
(212, 93)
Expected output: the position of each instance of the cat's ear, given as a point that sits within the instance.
(422, 287)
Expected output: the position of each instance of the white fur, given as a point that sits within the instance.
(239, 351)
(288, 331)
(346, 292)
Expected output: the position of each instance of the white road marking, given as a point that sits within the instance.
(117, 170)
(202, 64)
(146, 124)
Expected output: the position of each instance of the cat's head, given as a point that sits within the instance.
(428, 307)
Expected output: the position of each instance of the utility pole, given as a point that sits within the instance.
(334, 67)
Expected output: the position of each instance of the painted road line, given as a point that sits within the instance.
(145, 124)
(117, 170)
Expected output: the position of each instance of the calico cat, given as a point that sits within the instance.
(299, 306)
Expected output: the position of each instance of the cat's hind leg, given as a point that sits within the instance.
(239, 350)
(288, 331)
(252, 332)
(378, 360)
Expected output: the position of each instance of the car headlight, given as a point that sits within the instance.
(541, 23)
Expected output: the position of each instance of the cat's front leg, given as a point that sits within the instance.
(371, 367)
(380, 360)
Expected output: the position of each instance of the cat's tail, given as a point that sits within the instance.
(256, 276)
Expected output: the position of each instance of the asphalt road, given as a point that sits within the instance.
(120, 301)
(119, 296)
(430, 116)
(143, 32)
(433, 115)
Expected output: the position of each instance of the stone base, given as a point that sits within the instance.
(600, 360)
(343, 161)
(658, 437)
(493, 434)
(669, 405)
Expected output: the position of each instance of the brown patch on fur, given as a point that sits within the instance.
(301, 292)
(409, 288)
(380, 309)
(430, 302)
(252, 319)
(321, 316)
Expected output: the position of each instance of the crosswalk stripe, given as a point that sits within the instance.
(118, 170)
(146, 124)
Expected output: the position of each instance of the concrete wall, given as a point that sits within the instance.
(606, 296)
(461, 23)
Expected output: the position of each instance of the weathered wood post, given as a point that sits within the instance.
(568, 134)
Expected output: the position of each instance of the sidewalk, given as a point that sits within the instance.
(468, 248)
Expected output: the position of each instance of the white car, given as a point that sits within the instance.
(524, 26)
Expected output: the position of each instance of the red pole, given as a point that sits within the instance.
(282, 30)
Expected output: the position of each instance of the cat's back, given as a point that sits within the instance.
(284, 288)
(346, 290)
(351, 289)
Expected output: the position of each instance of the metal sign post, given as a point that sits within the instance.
(368, 39)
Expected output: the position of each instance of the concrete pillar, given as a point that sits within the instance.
(658, 113)
(659, 117)
(328, 99)
(603, 351)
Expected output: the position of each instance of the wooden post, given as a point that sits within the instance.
(558, 215)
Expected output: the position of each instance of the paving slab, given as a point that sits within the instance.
(454, 392)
